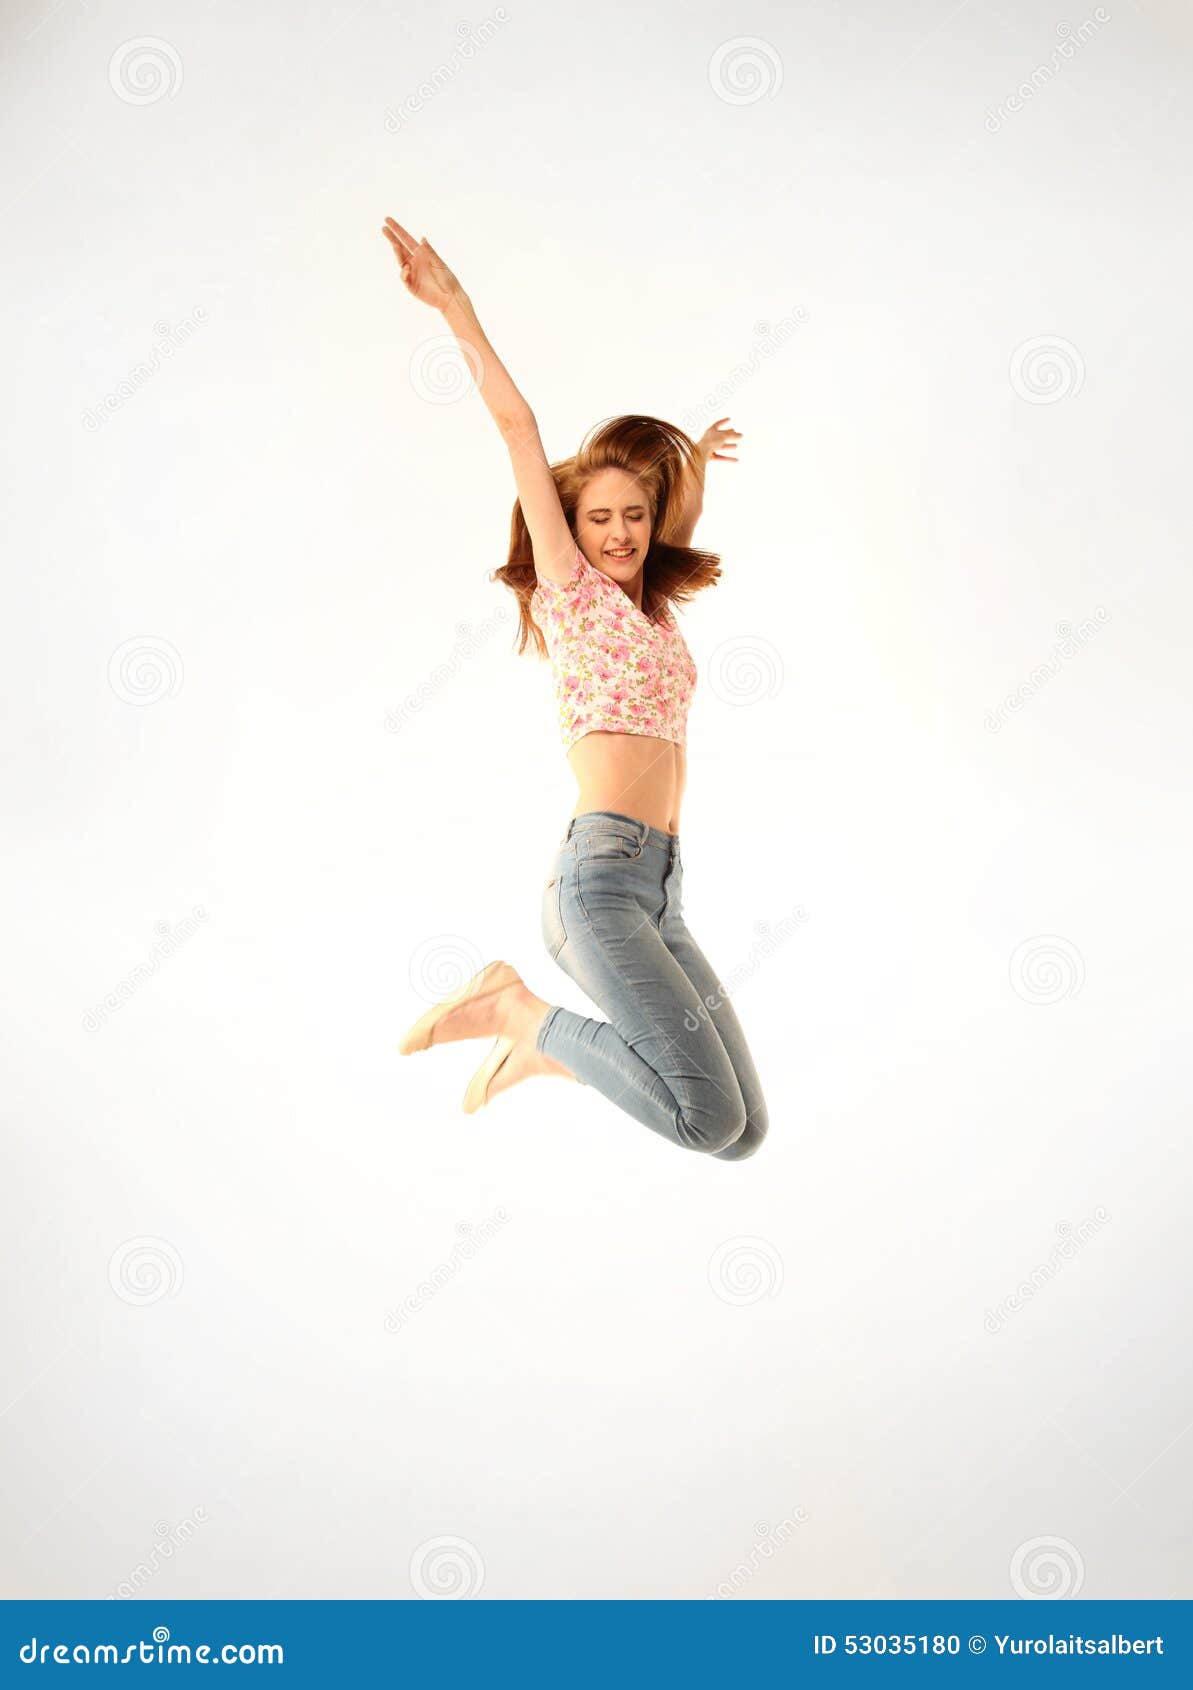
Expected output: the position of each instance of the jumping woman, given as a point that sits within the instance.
(600, 551)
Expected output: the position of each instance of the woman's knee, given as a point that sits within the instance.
(748, 1140)
(712, 1131)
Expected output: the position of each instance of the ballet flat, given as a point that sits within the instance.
(491, 978)
(477, 1094)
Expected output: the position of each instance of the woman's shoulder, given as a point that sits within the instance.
(550, 588)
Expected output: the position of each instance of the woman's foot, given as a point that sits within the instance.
(511, 1012)
(492, 976)
(470, 1013)
(509, 1009)
(522, 1063)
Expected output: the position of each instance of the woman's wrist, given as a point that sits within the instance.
(458, 311)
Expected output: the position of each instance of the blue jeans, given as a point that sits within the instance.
(672, 1054)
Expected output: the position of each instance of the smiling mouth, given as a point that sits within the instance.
(623, 553)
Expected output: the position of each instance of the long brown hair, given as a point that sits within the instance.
(658, 455)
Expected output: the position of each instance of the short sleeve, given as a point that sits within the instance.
(556, 591)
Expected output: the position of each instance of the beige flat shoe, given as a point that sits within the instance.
(477, 1094)
(492, 977)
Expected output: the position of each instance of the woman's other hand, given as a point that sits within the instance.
(718, 441)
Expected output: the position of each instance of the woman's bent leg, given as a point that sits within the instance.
(654, 1057)
(658, 1057)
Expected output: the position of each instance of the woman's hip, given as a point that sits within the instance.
(612, 877)
(612, 867)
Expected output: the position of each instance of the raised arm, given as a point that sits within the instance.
(717, 441)
(430, 281)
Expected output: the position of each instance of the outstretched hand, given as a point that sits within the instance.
(718, 435)
(424, 273)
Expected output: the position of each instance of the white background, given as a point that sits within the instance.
(973, 1044)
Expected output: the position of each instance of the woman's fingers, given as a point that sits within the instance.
(403, 235)
(400, 254)
(719, 441)
(722, 441)
(720, 433)
(424, 274)
(405, 273)
(404, 254)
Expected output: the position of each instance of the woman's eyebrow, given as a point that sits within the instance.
(603, 510)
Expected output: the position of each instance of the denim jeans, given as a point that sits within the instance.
(672, 1053)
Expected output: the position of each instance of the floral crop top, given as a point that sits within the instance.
(616, 669)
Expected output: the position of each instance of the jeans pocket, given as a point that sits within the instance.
(605, 843)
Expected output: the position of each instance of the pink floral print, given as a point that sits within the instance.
(616, 670)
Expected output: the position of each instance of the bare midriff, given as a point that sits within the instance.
(632, 774)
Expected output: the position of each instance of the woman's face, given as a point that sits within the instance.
(613, 524)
